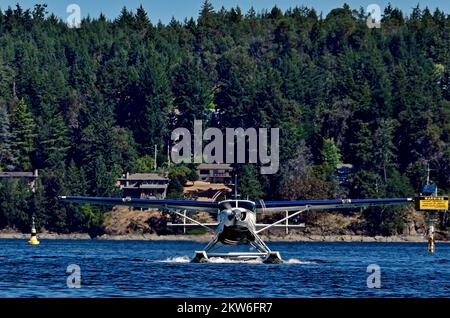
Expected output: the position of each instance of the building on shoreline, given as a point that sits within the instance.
(144, 185)
(215, 172)
(31, 177)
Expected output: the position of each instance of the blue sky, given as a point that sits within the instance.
(164, 9)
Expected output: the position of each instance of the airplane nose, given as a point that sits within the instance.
(234, 215)
(237, 214)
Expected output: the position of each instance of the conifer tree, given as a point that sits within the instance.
(23, 129)
(54, 141)
(7, 158)
(142, 20)
(192, 96)
(249, 185)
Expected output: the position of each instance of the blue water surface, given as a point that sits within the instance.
(162, 269)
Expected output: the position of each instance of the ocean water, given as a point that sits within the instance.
(162, 269)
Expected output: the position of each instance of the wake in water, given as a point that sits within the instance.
(297, 261)
(179, 259)
(220, 260)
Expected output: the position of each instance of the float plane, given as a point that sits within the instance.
(236, 219)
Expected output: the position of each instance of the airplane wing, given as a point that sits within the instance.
(261, 206)
(147, 203)
(282, 206)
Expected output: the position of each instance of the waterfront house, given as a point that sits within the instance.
(215, 173)
(144, 185)
(31, 177)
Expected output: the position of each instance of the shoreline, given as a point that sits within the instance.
(206, 238)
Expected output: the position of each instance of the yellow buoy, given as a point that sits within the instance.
(33, 239)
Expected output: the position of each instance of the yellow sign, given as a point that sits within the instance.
(432, 203)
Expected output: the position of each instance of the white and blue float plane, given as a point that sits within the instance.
(236, 219)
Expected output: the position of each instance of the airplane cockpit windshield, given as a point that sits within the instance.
(248, 205)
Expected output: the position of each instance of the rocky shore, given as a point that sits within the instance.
(206, 238)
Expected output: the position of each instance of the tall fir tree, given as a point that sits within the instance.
(53, 141)
(23, 129)
(249, 185)
(7, 159)
(192, 96)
